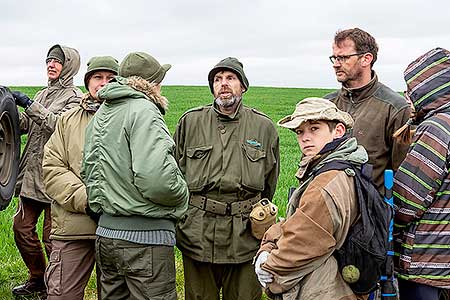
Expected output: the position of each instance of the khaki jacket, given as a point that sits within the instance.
(61, 166)
(39, 121)
(378, 112)
(227, 159)
(301, 247)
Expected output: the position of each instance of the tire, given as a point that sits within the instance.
(9, 146)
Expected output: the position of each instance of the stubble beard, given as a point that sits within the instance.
(350, 77)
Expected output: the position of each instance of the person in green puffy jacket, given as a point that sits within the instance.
(134, 183)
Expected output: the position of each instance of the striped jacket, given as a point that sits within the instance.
(422, 194)
(422, 182)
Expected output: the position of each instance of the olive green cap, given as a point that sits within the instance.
(57, 53)
(143, 65)
(100, 63)
(315, 109)
(229, 64)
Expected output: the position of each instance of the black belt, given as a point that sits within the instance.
(221, 208)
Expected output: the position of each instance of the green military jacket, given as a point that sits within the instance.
(228, 159)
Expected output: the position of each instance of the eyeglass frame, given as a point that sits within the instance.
(343, 58)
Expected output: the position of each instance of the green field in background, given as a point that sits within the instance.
(274, 102)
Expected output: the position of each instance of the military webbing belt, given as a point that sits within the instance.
(221, 208)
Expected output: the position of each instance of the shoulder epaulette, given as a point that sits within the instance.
(198, 108)
(260, 113)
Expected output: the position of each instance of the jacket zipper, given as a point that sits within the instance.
(350, 96)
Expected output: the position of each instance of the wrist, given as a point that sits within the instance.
(28, 103)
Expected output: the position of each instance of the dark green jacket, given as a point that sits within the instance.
(128, 167)
(378, 112)
(228, 159)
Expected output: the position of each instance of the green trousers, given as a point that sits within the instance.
(135, 271)
(206, 280)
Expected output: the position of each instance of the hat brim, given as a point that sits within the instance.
(162, 74)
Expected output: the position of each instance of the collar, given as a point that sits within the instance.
(361, 93)
(224, 117)
(88, 103)
(308, 163)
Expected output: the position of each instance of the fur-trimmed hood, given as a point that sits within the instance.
(133, 87)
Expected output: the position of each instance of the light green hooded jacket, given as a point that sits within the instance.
(129, 170)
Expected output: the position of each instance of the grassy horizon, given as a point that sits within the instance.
(274, 102)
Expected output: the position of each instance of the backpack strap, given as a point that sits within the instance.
(334, 165)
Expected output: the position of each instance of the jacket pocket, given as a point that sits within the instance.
(53, 274)
(253, 167)
(197, 166)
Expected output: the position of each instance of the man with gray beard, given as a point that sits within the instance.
(230, 156)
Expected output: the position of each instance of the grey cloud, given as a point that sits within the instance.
(282, 43)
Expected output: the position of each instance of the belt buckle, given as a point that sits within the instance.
(228, 209)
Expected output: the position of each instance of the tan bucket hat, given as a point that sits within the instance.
(315, 109)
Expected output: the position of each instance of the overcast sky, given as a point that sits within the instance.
(281, 43)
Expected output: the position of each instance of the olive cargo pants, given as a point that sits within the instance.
(205, 280)
(135, 271)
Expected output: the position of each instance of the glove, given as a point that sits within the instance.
(21, 99)
(264, 277)
(93, 215)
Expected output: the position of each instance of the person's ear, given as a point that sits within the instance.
(340, 130)
(366, 59)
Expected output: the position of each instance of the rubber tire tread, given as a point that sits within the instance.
(8, 106)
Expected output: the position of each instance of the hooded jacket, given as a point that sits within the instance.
(422, 183)
(129, 169)
(378, 112)
(39, 121)
(61, 166)
(320, 213)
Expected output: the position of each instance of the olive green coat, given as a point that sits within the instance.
(61, 166)
(39, 121)
(228, 159)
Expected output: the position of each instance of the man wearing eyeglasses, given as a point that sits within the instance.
(38, 120)
(377, 110)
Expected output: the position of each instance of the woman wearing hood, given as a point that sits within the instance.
(38, 120)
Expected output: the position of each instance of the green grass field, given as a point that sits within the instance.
(275, 102)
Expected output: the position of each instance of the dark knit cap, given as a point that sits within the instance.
(143, 65)
(100, 63)
(229, 64)
(57, 53)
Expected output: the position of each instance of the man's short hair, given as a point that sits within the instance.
(364, 42)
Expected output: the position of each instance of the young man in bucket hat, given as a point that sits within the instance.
(229, 154)
(133, 181)
(39, 120)
(295, 260)
(73, 231)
